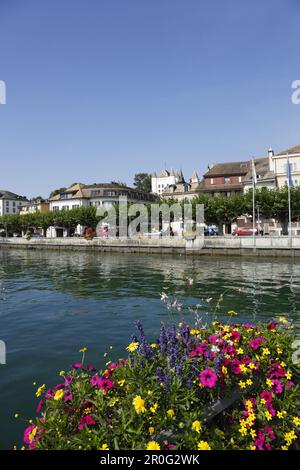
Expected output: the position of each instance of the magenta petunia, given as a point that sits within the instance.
(77, 366)
(86, 420)
(208, 378)
(277, 386)
(257, 342)
(235, 336)
(267, 396)
(40, 406)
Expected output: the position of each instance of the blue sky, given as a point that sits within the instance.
(100, 89)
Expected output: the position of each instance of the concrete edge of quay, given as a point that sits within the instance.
(227, 246)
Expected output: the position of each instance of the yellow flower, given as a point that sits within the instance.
(296, 421)
(150, 392)
(224, 370)
(240, 351)
(243, 368)
(132, 347)
(121, 382)
(151, 430)
(249, 382)
(284, 448)
(59, 394)
(282, 319)
(170, 413)
(252, 448)
(153, 445)
(269, 382)
(153, 345)
(62, 373)
(232, 313)
(266, 352)
(288, 375)
(104, 447)
(263, 401)
(281, 414)
(279, 351)
(32, 433)
(243, 431)
(83, 350)
(196, 426)
(242, 384)
(253, 433)
(40, 390)
(268, 415)
(203, 445)
(153, 408)
(289, 437)
(139, 404)
(283, 364)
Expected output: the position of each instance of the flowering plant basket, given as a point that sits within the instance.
(220, 387)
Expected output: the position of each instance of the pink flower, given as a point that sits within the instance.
(103, 384)
(277, 386)
(267, 396)
(208, 378)
(235, 336)
(86, 420)
(170, 446)
(268, 430)
(289, 385)
(256, 343)
(272, 325)
(236, 367)
(39, 407)
(276, 370)
(213, 339)
(77, 366)
(27, 432)
(68, 396)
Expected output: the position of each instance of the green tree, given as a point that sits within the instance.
(142, 182)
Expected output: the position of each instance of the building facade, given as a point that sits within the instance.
(165, 179)
(102, 194)
(11, 203)
(278, 164)
(35, 205)
(224, 178)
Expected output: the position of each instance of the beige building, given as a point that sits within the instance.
(278, 164)
(35, 205)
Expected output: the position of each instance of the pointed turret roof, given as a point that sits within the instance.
(195, 177)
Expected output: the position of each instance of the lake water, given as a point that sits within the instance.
(52, 304)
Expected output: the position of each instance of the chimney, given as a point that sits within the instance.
(271, 162)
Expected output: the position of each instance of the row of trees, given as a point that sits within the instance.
(219, 210)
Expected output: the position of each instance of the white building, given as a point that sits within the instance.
(166, 178)
(10, 203)
(278, 164)
(81, 195)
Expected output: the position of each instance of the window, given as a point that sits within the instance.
(211, 181)
(240, 179)
(226, 179)
(14, 204)
(55, 208)
(75, 206)
(96, 193)
(65, 208)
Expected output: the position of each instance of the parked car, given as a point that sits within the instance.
(244, 232)
(37, 235)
